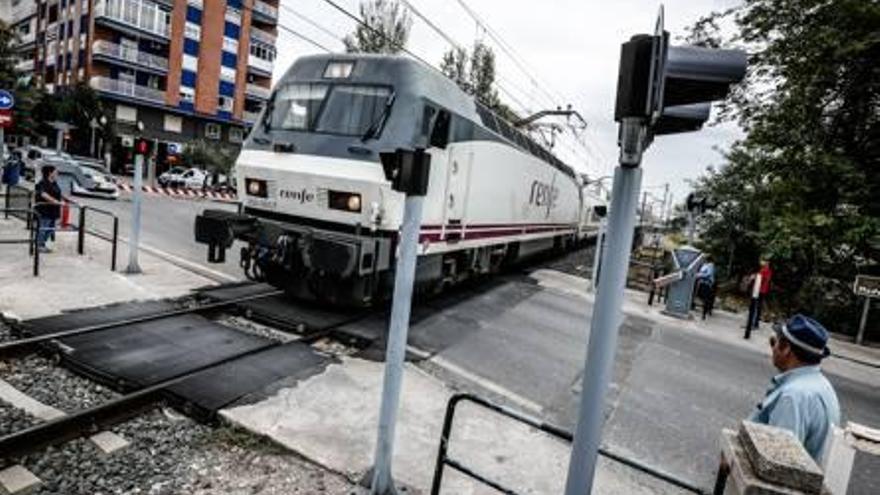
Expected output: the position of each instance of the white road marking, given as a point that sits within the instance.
(493, 387)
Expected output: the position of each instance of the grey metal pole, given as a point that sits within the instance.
(607, 315)
(135, 237)
(597, 256)
(691, 222)
(864, 321)
(59, 140)
(395, 353)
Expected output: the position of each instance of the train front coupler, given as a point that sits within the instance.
(219, 229)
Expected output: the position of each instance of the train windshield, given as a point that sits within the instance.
(338, 109)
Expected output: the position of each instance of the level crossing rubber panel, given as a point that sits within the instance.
(252, 377)
(143, 354)
(94, 316)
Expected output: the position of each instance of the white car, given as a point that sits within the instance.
(171, 178)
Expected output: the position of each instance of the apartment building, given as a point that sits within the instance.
(187, 69)
(21, 15)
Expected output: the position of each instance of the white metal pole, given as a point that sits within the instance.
(135, 237)
(404, 277)
(607, 315)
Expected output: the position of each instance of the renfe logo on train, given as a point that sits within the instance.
(544, 195)
(302, 196)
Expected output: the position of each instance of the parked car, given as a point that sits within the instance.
(80, 180)
(32, 156)
(171, 177)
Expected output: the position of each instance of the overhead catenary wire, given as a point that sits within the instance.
(293, 32)
(312, 23)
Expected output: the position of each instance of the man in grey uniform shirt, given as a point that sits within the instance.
(800, 398)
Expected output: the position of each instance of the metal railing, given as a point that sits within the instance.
(444, 460)
(113, 238)
(265, 9)
(263, 36)
(133, 55)
(260, 63)
(141, 14)
(18, 199)
(31, 240)
(250, 116)
(258, 91)
(102, 83)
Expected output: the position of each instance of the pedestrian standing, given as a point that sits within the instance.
(765, 273)
(48, 206)
(706, 286)
(800, 398)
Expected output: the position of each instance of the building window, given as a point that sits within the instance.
(230, 44)
(227, 89)
(173, 123)
(190, 63)
(236, 135)
(227, 74)
(224, 104)
(265, 52)
(192, 31)
(231, 30)
(228, 59)
(212, 131)
(187, 94)
(126, 114)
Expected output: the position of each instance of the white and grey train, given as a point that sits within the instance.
(320, 219)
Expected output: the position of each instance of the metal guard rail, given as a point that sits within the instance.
(31, 240)
(444, 460)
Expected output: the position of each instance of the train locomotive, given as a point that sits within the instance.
(318, 217)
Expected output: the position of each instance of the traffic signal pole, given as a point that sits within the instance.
(607, 313)
(135, 237)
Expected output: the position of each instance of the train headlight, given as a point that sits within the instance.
(256, 187)
(345, 201)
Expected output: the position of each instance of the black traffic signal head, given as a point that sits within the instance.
(671, 87)
(408, 170)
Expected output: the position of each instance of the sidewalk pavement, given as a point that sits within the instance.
(723, 325)
(331, 419)
(69, 281)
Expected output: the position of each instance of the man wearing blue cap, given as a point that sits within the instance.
(800, 398)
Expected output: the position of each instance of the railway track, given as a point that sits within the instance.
(96, 344)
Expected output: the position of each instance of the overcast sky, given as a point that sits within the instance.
(570, 48)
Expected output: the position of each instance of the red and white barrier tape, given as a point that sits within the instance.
(181, 192)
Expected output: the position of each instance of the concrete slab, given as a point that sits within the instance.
(778, 456)
(331, 419)
(109, 442)
(17, 480)
(69, 281)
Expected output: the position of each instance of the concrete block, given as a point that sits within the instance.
(742, 479)
(17, 480)
(108, 442)
(778, 457)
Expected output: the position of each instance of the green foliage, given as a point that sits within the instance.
(475, 74)
(386, 31)
(803, 187)
(200, 154)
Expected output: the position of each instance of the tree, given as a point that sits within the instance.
(80, 106)
(209, 157)
(475, 73)
(455, 66)
(803, 187)
(385, 30)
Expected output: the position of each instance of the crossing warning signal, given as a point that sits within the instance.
(141, 146)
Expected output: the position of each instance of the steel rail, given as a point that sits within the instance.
(25, 346)
(102, 416)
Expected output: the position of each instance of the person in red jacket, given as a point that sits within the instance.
(766, 274)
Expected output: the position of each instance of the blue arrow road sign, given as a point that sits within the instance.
(7, 101)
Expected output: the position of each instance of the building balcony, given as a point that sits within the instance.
(142, 16)
(264, 12)
(260, 65)
(250, 117)
(26, 39)
(195, 3)
(22, 11)
(263, 36)
(25, 65)
(257, 91)
(126, 88)
(106, 49)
